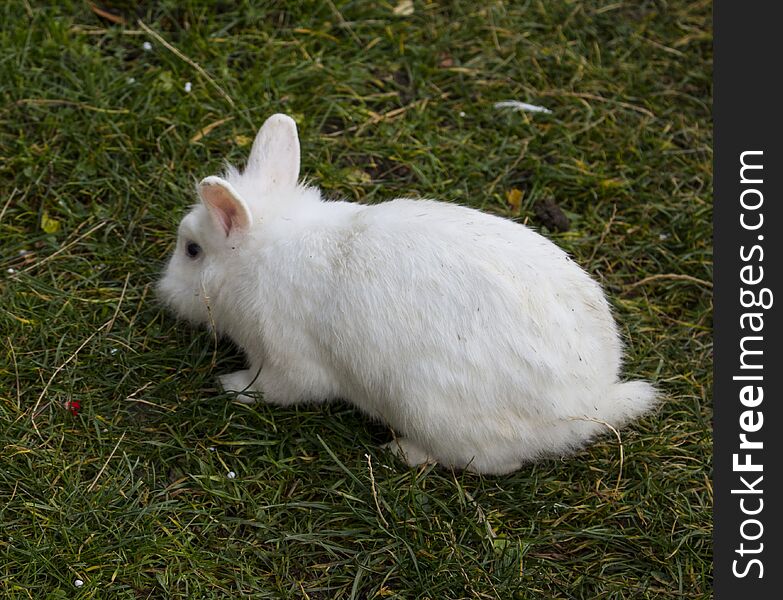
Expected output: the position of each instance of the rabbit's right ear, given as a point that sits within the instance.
(274, 157)
(225, 205)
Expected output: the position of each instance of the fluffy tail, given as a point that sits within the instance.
(628, 400)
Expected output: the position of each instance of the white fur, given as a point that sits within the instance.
(480, 342)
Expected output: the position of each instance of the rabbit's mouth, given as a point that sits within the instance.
(187, 302)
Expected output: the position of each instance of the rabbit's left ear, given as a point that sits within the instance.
(225, 206)
(274, 157)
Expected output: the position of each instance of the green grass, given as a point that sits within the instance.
(99, 149)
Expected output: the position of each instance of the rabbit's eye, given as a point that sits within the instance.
(193, 249)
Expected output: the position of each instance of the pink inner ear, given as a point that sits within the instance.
(224, 207)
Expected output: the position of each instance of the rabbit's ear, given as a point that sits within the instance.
(226, 207)
(274, 158)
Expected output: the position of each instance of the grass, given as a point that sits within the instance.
(101, 145)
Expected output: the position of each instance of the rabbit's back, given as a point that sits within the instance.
(433, 295)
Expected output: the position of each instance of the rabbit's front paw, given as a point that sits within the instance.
(409, 452)
(239, 382)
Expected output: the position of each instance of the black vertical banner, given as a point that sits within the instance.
(748, 260)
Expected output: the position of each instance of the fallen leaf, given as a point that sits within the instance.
(49, 224)
(102, 12)
(514, 198)
(404, 8)
(612, 183)
(446, 60)
(205, 130)
(521, 106)
(242, 140)
(22, 320)
(357, 176)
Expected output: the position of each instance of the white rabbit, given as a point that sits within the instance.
(480, 342)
